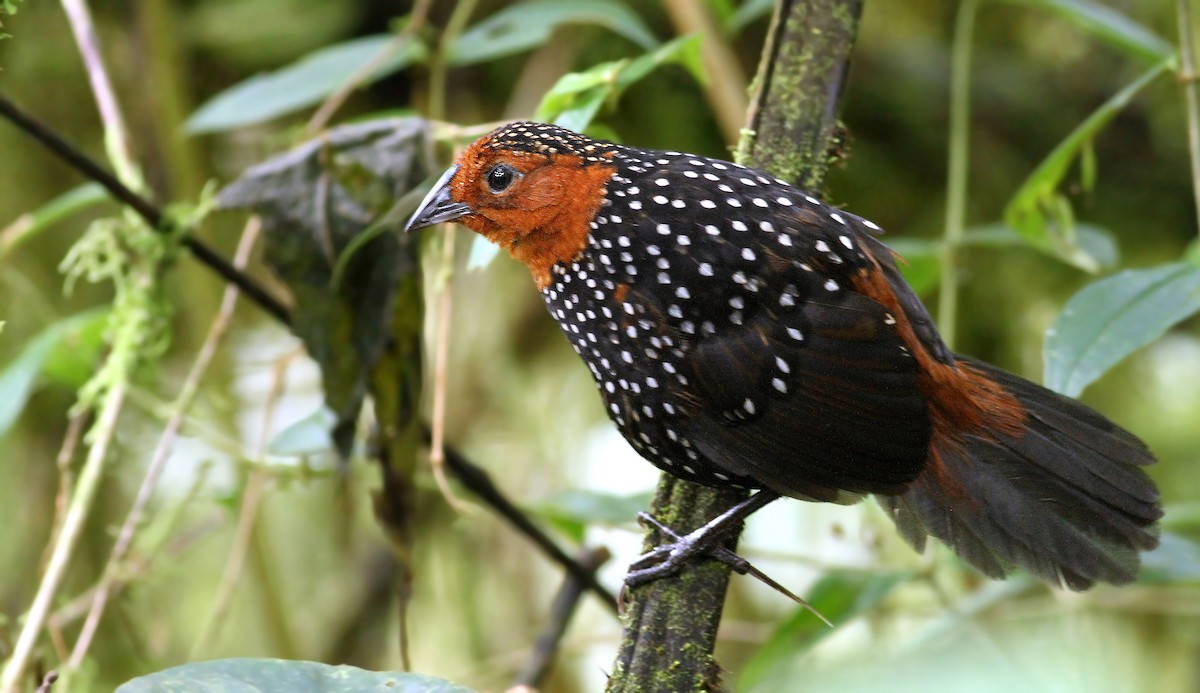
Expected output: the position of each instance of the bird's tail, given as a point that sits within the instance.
(1062, 495)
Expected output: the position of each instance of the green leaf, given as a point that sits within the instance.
(595, 507)
(1114, 317)
(839, 596)
(308, 436)
(282, 676)
(317, 203)
(528, 25)
(1177, 559)
(30, 224)
(1038, 196)
(303, 83)
(572, 512)
(1108, 25)
(1097, 242)
(19, 377)
(576, 98)
(749, 12)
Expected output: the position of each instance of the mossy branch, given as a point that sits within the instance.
(671, 625)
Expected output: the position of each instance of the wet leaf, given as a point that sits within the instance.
(282, 676)
(1114, 317)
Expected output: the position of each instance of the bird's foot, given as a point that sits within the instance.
(672, 557)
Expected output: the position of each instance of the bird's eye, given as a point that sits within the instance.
(500, 178)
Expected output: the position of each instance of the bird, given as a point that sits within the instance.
(742, 333)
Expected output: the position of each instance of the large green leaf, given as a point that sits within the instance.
(1108, 25)
(525, 26)
(839, 596)
(315, 202)
(1038, 211)
(1114, 317)
(282, 676)
(303, 83)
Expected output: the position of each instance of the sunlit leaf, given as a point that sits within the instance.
(1108, 25)
(1114, 317)
(578, 96)
(20, 376)
(839, 597)
(303, 83)
(30, 224)
(282, 676)
(522, 27)
(1038, 196)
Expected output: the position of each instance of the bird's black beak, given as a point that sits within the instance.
(437, 205)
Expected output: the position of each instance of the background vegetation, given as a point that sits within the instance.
(256, 543)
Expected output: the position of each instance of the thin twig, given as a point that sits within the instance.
(66, 477)
(64, 545)
(956, 183)
(116, 135)
(144, 208)
(247, 515)
(437, 444)
(166, 443)
(726, 87)
(480, 483)
(565, 602)
(416, 20)
(48, 682)
(79, 607)
(463, 9)
(1191, 96)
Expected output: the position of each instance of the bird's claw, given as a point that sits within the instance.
(670, 558)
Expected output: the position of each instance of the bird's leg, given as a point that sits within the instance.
(669, 558)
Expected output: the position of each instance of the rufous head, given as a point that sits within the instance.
(532, 189)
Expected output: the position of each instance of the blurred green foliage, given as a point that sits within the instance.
(1067, 161)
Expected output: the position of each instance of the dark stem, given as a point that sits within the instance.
(147, 210)
(560, 616)
(478, 481)
(671, 624)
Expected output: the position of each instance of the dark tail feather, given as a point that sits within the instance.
(1066, 500)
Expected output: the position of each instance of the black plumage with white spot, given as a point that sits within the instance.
(714, 306)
